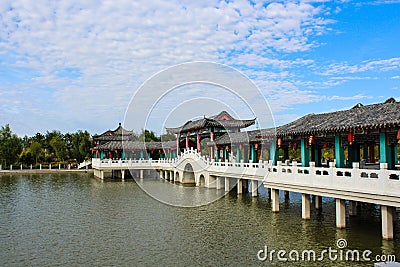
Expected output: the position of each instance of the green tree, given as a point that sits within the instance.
(59, 147)
(10, 146)
(35, 149)
(167, 137)
(148, 136)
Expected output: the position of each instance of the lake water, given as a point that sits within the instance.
(76, 219)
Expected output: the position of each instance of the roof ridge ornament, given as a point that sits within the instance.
(358, 105)
(390, 100)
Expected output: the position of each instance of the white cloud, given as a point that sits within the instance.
(116, 45)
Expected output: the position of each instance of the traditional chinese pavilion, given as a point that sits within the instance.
(192, 132)
(366, 134)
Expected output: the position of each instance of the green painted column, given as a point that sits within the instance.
(141, 154)
(148, 155)
(123, 155)
(365, 149)
(351, 154)
(273, 153)
(217, 155)
(385, 151)
(252, 152)
(395, 154)
(339, 153)
(305, 153)
(102, 155)
(317, 155)
(238, 153)
(285, 153)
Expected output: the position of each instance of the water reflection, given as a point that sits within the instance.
(72, 219)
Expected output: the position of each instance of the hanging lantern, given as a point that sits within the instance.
(201, 130)
(241, 146)
(398, 135)
(324, 146)
(311, 140)
(256, 146)
(279, 142)
(350, 138)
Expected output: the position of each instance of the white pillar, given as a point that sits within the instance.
(387, 222)
(352, 208)
(59, 166)
(102, 175)
(123, 175)
(40, 167)
(219, 181)
(340, 213)
(254, 188)
(240, 186)
(50, 166)
(305, 206)
(318, 202)
(227, 185)
(21, 167)
(275, 199)
(141, 174)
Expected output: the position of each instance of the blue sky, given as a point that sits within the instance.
(69, 65)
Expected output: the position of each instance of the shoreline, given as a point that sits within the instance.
(44, 171)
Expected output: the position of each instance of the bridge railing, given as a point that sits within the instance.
(374, 182)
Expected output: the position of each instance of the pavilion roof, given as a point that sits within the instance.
(374, 116)
(222, 120)
(118, 134)
(245, 137)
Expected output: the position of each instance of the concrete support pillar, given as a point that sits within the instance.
(102, 175)
(240, 186)
(275, 200)
(123, 175)
(305, 153)
(227, 184)
(286, 194)
(387, 222)
(254, 188)
(305, 206)
(339, 152)
(318, 202)
(340, 213)
(352, 208)
(161, 174)
(219, 183)
(141, 174)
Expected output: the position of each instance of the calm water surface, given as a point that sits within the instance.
(75, 219)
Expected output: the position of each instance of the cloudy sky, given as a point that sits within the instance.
(70, 65)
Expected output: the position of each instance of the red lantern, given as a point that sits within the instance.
(241, 146)
(279, 142)
(398, 134)
(311, 140)
(350, 138)
(324, 146)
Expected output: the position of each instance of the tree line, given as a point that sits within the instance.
(51, 147)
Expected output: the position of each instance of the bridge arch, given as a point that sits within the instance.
(188, 174)
(202, 180)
